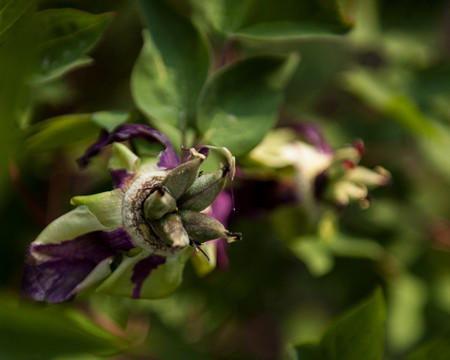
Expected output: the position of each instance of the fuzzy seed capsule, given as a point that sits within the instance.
(158, 204)
(201, 227)
(170, 229)
(203, 191)
(182, 177)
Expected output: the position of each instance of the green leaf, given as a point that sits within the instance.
(308, 351)
(308, 11)
(269, 20)
(61, 131)
(437, 349)
(65, 36)
(66, 130)
(286, 31)
(109, 120)
(347, 246)
(12, 12)
(436, 149)
(358, 334)
(376, 93)
(36, 332)
(240, 103)
(171, 68)
(404, 110)
(225, 16)
(407, 296)
(17, 62)
(314, 253)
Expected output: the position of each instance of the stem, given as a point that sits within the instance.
(226, 52)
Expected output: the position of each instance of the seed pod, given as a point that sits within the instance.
(158, 204)
(182, 177)
(203, 191)
(170, 229)
(201, 227)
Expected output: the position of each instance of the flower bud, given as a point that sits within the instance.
(203, 191)
(170, 229)
(201, 227)
(183, 176)
(158, 204)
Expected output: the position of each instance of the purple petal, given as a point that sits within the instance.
(312, 134)
(142, 270)
(120, 177)
(55, 280)
(53, 271)
(221, 207)
(167, 158)
(117, 240)
(221, 210)
(222, 254)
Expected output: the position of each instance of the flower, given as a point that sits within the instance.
(347, 181)
(319, 172)
(134, 240)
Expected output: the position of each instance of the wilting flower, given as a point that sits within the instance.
(319, 171)
(134, 240)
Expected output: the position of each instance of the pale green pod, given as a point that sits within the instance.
(182, 177)
(203, 191)
(158, 204)
(201, 227)
(170, 229)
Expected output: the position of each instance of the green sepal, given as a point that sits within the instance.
(161, 282)
(182, 177)
(106, 206)
(170, 229)
(201, 264)
(158, 204)
(123, 158)
(75, 223)
(201, 227)
(203, 191)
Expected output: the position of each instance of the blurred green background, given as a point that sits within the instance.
(375, 70)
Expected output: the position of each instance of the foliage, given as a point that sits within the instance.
(287, 87)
